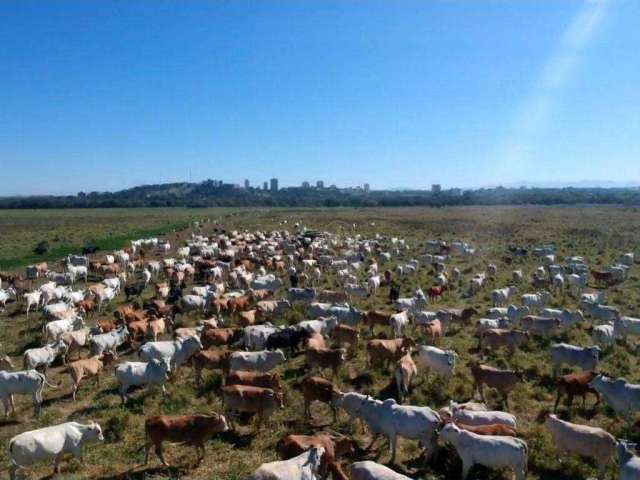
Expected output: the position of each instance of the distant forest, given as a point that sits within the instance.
(212, 193)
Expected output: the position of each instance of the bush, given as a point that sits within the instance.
(41, 248)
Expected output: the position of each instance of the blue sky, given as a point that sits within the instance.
(110, 94)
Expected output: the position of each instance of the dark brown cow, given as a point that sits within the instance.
(245, 398)
(257, 379)
(576, 384)
(215, 337)
(318, 389)
(210, 360)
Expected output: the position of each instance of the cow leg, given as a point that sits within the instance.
(56, 464)
(6, 404)
(393, 443)
(160, 454)
(481, 389)
(569, 400)
(466, 468)
(373, 440)
(555, 406)
(73, 392)
(335, 413)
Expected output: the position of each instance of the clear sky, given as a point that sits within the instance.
(103, 95)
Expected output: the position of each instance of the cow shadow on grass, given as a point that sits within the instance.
(294, 373)
(237, 439)
(150, 472)
(10, 422)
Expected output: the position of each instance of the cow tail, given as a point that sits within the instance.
(526, 452)
(45, 382)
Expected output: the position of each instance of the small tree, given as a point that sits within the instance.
(41, 248)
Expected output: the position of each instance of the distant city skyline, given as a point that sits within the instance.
(108, 95)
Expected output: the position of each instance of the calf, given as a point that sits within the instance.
(325, 358)
(433, 331)
(244, 398)
(576, 384)
(318, 389)
(186, 429)
(89, 367)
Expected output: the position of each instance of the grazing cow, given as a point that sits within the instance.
(568, 318)
(322, 326)
(433, 331)
(355, 290)
(155, 372)
(263, 361)
(485, 324)
(303, 467)
(369, 470)
(399, 322)
(172, 352)
(502, 380)
(489, 451)
(186, 429)
(495, 338)
(586, 358)
(42, 357)
(53, 330)
(377, 317)
(210, 360)
(318, 389)
(387, 351)
(491, 429)
(89, 367)
(249, 399)
(287, 338)
(392, 420)
(322, 358)
(52, 442)
(272, 308)
(27, 382)
(542, 326)
(442, 362)
(623, 397)
(405, 371)
(583, 440)
(76, 340)
(604, 335)
(576, 384)
(603, 313)
(628, 463)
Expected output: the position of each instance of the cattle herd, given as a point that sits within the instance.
(248, 304)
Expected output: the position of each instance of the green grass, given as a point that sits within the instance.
(600, 234)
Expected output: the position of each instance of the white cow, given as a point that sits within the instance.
(262, 361)
(624, 326)
(413, 304)
(303, 467)
(43, 356)
(568, 318)
(582, 439)
(479, 417)
(392, 420)
(130, 374)
(442, 362)
(323, 326)
(53, 330)
(586, 358)
(369, 470)
(500, 296)
(604, 335)
(487, 450)
(28, 382)
(49, 443)
(255, 336)
(628, 462)
(399, 322)
(536, 300)
(174, 352)
(108, 342)
(622, 396)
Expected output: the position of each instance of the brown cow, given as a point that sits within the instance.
(379, 350)
(157, 326)
(325, 358)
(576, 384)
(502, 380)
(219, 336)
(186, 429)
(316, 340)
(106, 325)
(210, 360)
(491, 429)
(318, 389)
(248, 318)
(346, 335)
(495, 338)
(262, 294)
(257, 379)
(238, 304)
(329, 296)
(245, 398)
(88, 367)
(334, 448)
(378, 317)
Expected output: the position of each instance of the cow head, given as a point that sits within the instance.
(93, 432)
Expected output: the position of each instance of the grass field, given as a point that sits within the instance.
(599, 234)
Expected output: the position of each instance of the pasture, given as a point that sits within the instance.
(599, 234)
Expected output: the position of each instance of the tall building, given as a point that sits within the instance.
(265, 186)
(274, 184)
(320, 184)
(306, 185)
(436, 188)
(366, 187)
(247, 184)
